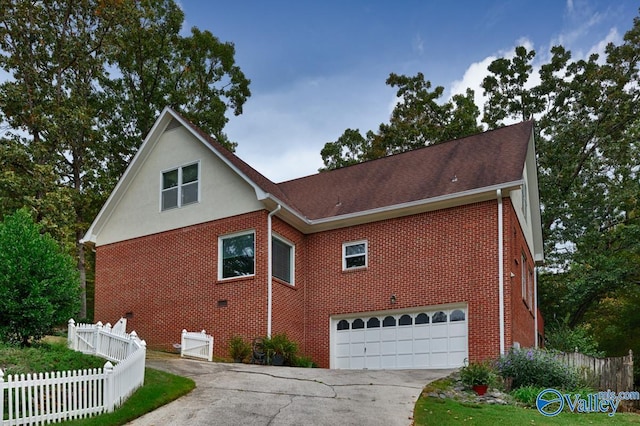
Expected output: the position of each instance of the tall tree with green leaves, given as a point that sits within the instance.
(87, 79)
(419, 119)
(587, 141)
(39, 283)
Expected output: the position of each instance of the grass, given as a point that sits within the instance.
(159, 387)
(437, 411)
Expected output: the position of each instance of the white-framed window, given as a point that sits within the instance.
(180, 186)
(354, 255)
(283, 259)
(236, 255)
(527, 282)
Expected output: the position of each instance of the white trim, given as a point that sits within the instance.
(180, 185)
(500, 271)
(221, 253)
(269, 269)
(344, 255)
(535, 307)
(292, 258)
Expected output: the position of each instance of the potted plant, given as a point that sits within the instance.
(239, 350)
(280, 350)
(478, 376)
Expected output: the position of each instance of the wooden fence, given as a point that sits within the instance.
(45, 398)
(615, 373)
(196, 345)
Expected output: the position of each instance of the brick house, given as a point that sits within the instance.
(417, 260)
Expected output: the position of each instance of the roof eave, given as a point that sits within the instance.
(309, 226)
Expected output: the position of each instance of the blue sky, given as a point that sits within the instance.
(319, 67)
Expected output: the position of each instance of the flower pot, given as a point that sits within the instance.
(277, 360)
(480, 389)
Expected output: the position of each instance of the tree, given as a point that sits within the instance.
(587, 142)
(39, 284)
(417, 120)
(88, 78)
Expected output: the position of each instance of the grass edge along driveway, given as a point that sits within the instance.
(437, 411)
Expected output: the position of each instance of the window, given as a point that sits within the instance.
(457, 315)
(354, 255)
(439, 317)
(389, 322)
(373, 322)
(282, 260)
(357, 324)
(524, 276)
(405, 320)
(422, 319)
(236, 255)
(343, 325)
(180, 186)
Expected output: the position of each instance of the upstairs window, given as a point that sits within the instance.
(236, 255)
(180, 186)
(282, 260)
(354, 255)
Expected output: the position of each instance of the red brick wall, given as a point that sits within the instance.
(522, 318)
(445, 256)
(169, 280)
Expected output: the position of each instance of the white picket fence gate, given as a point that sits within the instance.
(196, 345)
(45, 398)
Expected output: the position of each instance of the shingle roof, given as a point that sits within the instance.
(487, 159)
(483, 160)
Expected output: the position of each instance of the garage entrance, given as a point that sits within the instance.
(426, 338)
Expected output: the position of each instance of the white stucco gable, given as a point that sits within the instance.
(526, 204)
(134, 207)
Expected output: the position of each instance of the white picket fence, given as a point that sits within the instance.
(45, 398)
(196, 345)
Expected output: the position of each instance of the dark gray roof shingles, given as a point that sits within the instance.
(483, 160)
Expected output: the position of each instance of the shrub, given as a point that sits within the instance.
(304, 361)
(239, 349)
(538, 368)
(279, 344)
(527, 395)
(39, 282)
(478, 373)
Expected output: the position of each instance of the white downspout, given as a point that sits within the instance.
(535, 306)
(270, 269)
(500, 270)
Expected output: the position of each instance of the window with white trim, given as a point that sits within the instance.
(236, 255)
(180, 186)
(282, 259)
(354, 255)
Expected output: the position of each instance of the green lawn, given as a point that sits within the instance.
(159, 387)
(437, 411)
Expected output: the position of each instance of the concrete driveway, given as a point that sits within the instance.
(241, 394)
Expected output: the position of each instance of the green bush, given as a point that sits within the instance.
(537, 368)
(478, 373)
(39, 282)
(279, 345)
(527, 395)
(239, 349)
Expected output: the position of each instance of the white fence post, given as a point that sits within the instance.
(1, 395)
(71, 335)
(109, 387)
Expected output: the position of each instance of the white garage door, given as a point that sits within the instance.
(428, 338)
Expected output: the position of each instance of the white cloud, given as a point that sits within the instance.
(281, 133)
